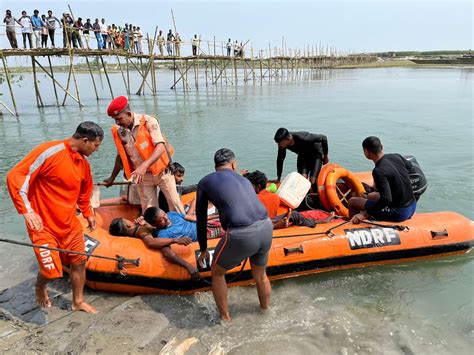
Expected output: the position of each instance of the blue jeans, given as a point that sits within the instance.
(98, 36)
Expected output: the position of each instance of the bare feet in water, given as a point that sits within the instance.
(42, 299)
(84, 307)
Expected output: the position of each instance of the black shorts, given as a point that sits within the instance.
(252, 242)
(310, 166)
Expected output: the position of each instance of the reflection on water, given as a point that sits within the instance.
(410, 308)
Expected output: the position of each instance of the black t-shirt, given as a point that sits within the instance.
(234, 198)
(306, 145)
(392, 182)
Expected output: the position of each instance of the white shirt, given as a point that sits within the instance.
(26, 22)
(103, 28)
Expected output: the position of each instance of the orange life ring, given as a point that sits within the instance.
(325, 170)
(331, 189)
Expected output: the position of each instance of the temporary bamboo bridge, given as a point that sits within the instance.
(218, 69)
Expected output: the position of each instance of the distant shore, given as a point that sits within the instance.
(397, 63)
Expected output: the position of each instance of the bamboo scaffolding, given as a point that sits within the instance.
(9, 82)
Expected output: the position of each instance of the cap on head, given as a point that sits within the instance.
(117, 105)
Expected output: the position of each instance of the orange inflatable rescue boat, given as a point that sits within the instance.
(295, 250)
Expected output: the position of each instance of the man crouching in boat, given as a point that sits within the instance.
(45, 187)
(394, 200)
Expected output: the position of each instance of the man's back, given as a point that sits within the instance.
(392, 180)
(233, 196)
(308, 143)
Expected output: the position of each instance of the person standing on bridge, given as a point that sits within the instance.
(195, 44)
(25, 22)
(98, 36)
(177, 45)
(161, 43)
(47, 187)
(229, 47)
(169, 42)
(38, 25)
(104, 32)
(51, 24)
(9, 21)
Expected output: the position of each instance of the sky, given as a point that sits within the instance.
(349, 26)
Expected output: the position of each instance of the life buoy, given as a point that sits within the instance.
(333, 193)
(325, 170)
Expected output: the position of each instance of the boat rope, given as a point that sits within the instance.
(327, 232)
(121, 261)
(330, 234)
(398, 227)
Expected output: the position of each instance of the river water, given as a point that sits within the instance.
(422, 307)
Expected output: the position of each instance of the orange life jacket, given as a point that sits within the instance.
(145, 147)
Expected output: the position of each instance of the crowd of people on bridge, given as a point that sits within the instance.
(37, 30)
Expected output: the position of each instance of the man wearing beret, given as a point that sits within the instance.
(153, 152)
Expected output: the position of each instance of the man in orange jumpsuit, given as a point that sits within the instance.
(45, 187)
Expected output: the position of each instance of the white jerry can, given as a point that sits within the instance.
(293, 189)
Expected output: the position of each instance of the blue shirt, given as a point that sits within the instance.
(234, 198)
(178, 228)
(37, 22)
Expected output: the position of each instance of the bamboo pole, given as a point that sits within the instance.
(74, 78)
(52, 78)
(39, 100)
(92, 77)
(57, 82)
(9, 82)
(7, 108)
(107, 77)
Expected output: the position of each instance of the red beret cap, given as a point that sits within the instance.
(117, 105)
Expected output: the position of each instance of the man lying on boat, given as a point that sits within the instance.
(271, 201)
(161, 230)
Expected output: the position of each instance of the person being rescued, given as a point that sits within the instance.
(272, 203)
(160, 230)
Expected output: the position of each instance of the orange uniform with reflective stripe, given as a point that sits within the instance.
(52, 180)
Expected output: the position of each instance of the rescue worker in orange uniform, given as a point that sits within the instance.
(45, 187)
(151, 169)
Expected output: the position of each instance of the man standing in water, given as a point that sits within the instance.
(46, 187)
(312, 151)
(245, 220)
(143, 154)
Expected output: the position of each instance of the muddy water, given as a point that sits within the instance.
(409, 308)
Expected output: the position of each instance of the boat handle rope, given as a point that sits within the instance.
(121, 261)
(397, 227)
(330, 234)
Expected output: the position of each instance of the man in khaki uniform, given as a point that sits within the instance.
(144, 155)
